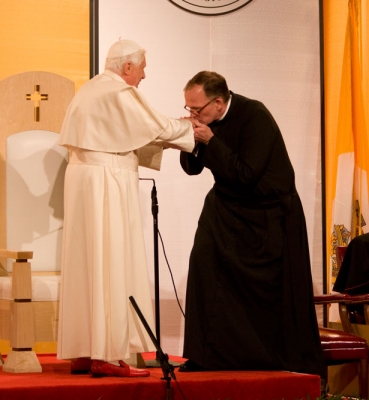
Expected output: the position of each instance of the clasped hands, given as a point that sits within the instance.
(202, 132)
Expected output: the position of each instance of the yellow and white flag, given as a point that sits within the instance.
(350, 149)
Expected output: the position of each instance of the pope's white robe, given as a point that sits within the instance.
(110, 129)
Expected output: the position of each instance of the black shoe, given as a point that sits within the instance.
(190, 366)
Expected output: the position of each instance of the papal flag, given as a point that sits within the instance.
(350, 149)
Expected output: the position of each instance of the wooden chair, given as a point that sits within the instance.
(341, 347)
(33, 106)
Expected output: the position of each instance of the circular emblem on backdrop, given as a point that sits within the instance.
(210, 7)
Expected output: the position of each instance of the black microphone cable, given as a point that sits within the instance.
(155, 210)
(171, 274)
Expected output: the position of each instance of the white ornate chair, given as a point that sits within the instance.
(32, 165)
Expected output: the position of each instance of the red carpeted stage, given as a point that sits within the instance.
(56, 383)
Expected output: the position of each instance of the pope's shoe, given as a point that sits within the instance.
(81, 365)
(103, 368)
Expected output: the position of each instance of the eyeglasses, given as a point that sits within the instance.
(198, 111)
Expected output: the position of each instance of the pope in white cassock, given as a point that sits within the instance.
(110, 130)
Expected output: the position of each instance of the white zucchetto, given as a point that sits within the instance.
(123, 48)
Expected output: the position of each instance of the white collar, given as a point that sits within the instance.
(225, 112)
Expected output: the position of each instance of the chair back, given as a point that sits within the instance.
(32, 165)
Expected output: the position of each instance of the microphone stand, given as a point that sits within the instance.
(167, 368)
(155, 212)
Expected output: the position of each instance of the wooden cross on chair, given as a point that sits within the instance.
(36, 97)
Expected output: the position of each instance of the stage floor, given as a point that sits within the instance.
(56, 383)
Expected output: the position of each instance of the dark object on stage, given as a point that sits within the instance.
(190, 366)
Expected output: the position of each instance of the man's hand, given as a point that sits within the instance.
(202, 132)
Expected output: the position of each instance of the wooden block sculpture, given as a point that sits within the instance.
(22, 336)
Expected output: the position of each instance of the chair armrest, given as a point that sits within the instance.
(331, 298)
(16, 255)
(344, 299)
(21, 275)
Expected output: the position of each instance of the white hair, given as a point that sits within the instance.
(115, 64)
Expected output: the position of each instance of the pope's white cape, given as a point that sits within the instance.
(109, 115)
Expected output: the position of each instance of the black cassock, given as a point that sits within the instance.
(353, 276)
(249, 301)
